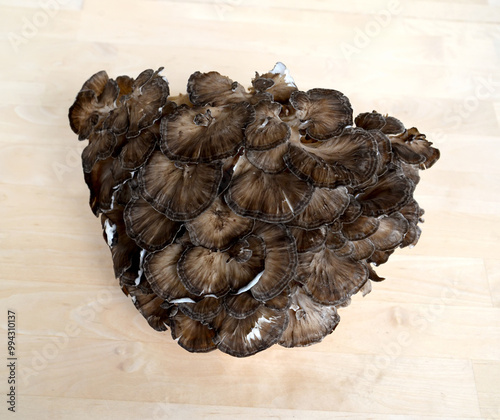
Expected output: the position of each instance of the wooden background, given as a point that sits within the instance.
(424, 344)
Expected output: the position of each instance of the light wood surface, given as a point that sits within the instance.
(424, 344)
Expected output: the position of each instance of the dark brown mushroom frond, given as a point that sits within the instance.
(161, 271)
(274, 198)
(218, 227)
(348, 159)
(150, 307)
(190, 190)
(267, 130)
(310, 321)
(308, 240)
(278, 82)
(247, 336)
(390, 233)
(393, 191)
(149, 228)
(329, 279)
(101, 145)
(215, 90)
(191, 334)
(412, 147)
(269, 161)
(325, 207)
(280, 264)
(138, 149)
(206, 272)
(205, 134)
(144, 104)
(203, 311)
(244, 218)
(324, 113)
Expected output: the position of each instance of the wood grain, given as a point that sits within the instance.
(424, 344)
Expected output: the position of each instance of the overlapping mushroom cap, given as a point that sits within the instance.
(244, 218)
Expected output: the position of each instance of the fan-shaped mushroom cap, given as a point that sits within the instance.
(241, 306)
(280, 263)
(278, 82)
(310, 321)
(308, 240)
(144, 104)
(384, 150)
(137, 150)
(267, 130)
(390, 194)
(150, 229)
(330, 279)
(274, 198)
(203, 311)
(190, 190)
(375, 121)
(412, 147)
(218, 227)
(206, 272)
(325, 207)
(361, 228)
(350, 158)
(362, 249)
(269, 161)
(247, 336)
(150, 307)
(390, 233)
(205, 134)
(192, 335)
(161, 271)
(324, 113)
(101, 145)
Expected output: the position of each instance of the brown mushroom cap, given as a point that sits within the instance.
(274, 198)
(362, 249)
(204, 134)
(390, 233)
(349, 159)
(267, 130)
(324, 113)
(310, 321)
(218, 227)
(412, 147)
(361, 228)
(269, 161)
(278, 82)
(330, 279)
(207, 272)
(192, 335)
(214, 89)
(325, 207)
(137, 150)
(203, 311)
(392, 192)
(149, 228)
(247, 336)
(150, 306)
(101, 145)
(161, 272)
(190, 190)
(308, 240)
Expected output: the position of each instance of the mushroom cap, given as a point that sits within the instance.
(308, 240)
(324, 113)
(203, 311)
(348, 159)
(278, 82)
(191, 188)
(205, 134)
(413, 148)
(269, 161)
(101, 145)
(309, 322)
(150, 306)
(191, 334)
(137, 150)
(218, 227)
(274, 198)
(267, 130)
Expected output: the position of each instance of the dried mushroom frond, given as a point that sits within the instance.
(243, 218)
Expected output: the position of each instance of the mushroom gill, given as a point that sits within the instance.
(243, 218)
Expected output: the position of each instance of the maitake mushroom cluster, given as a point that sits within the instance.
(241, 219)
